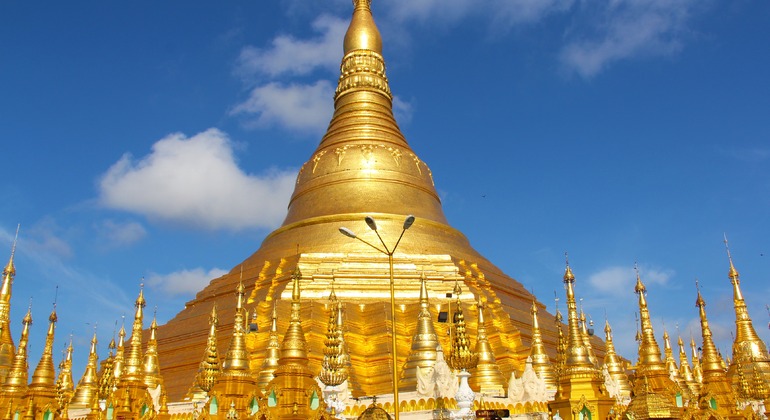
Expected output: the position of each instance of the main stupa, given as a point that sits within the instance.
(362, 167)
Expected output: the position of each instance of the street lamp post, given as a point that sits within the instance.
(389, 252)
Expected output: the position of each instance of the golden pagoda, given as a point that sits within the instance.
(685, 371)
(423, 353)
(65, 387)
(541, 362)
(581, 392)
(363, 166)
(7, 348)
(716, 393)
(234, 391)
(15, 388)
(650, 367)
(750, 358)
(615, 365)
(131, 399)
(486, 377)
(270, 362)
(294, 394)
(42, 389)
(209, 368)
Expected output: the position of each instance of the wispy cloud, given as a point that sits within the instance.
(618, 281)
(184, 282)
(289, 55)
(304, 108)
(626, 29)
(118, 234)
(196, 181)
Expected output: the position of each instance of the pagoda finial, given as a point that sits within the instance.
(65, 387)
(362, 33)
(733, 273)
(44, 377)
(151, 365)
(7, 347)
(10, 268)
(488, 376)
(461, 356)
(236, 359)
(334, 366)
(649, 351)
(541, 362)
(16, 381)
(577, 353)
(88, 386)
(423, 352)
(133, 368)
(614, 363)
(209, 369)
(270, 364)
(710, 357)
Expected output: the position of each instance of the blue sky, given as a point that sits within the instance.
(160, 140)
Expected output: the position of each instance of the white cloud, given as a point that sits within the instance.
(196, 181)
(293, 56)
(297, 107)
(626, 29)
(402, 110)
(184, 282)
(118, 234)
(618, 281)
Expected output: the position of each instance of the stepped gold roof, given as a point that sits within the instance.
(363, 166)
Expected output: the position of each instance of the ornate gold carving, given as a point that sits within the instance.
(317, 158)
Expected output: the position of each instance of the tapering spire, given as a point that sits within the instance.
(7, 347)
(424, 342)
(487, 379)
(541, 362)
(697, 372)
(44, 377)
(587, 337)
(671, 366)
(88, 386)
(334, 369)
(133, 369)
(16, 382)
(107, 373)
(237, 359)
(577, 353)
(151, 364)
(748, 348)
(209, 368)
(120, 358)
(65, 386)
(614, 364)
(649, 351)
(294, 346)
(270, 364)
(685, 371)
(710, 356)
(461, 356)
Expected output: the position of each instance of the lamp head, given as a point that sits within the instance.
(347, 232)
(370, 222)
(408, 222)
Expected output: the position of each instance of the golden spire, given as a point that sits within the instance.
(152, 376)
(649, 351)
(44, 377)
(561, 349)
(697, 372)
(16, 382)
(747, 346)
(487, 379)
(65, 387)
(119, 360)
(613, 362)
(541, 363)
(587, 337)
(133, 369)
(209, 369)
(107, 372)
(577, 354)
(671, 366)
(294, 347)
(710, 357)
(362, 33)
(461, 356)
(7, 347)
(236, 359)
(88, 385)
(424, 342)
(685, 372)
(334, 369)
(270, 364)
